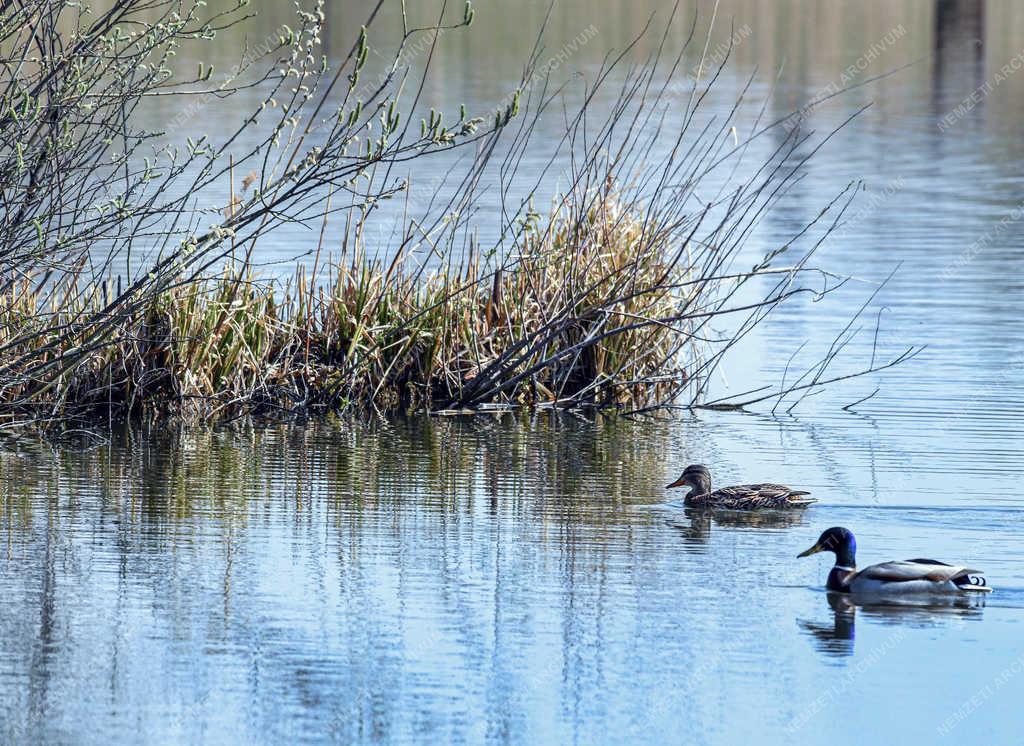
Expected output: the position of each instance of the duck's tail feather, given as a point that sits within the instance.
(971, 581)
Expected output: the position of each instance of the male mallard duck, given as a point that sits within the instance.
(908, 576)
(740, 497)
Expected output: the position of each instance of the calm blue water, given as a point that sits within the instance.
(522, 578)
(492, 579)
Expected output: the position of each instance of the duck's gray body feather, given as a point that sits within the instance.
(916, 576)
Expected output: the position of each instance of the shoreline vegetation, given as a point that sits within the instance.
(615, 297)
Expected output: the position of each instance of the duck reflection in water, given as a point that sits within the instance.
(696, 530)
(836, 638)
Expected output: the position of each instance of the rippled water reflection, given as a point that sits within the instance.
(506, 578)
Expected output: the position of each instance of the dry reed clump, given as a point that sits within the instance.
(575, 316)
(573, 319)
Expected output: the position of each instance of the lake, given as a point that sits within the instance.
(525, 577)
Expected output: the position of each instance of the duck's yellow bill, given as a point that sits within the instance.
(808, 552)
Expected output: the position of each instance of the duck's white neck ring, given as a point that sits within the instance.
(844, 567)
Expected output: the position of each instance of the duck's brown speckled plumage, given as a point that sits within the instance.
(765, 496)
(751, 497)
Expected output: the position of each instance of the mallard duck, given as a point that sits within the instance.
(740, 497)
(899, 577)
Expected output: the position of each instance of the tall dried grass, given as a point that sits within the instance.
(573, 318)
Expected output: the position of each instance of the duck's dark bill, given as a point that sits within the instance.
(677, 483)
(808, 552)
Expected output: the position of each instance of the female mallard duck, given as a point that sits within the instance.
(908, 576)
(740, 497)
